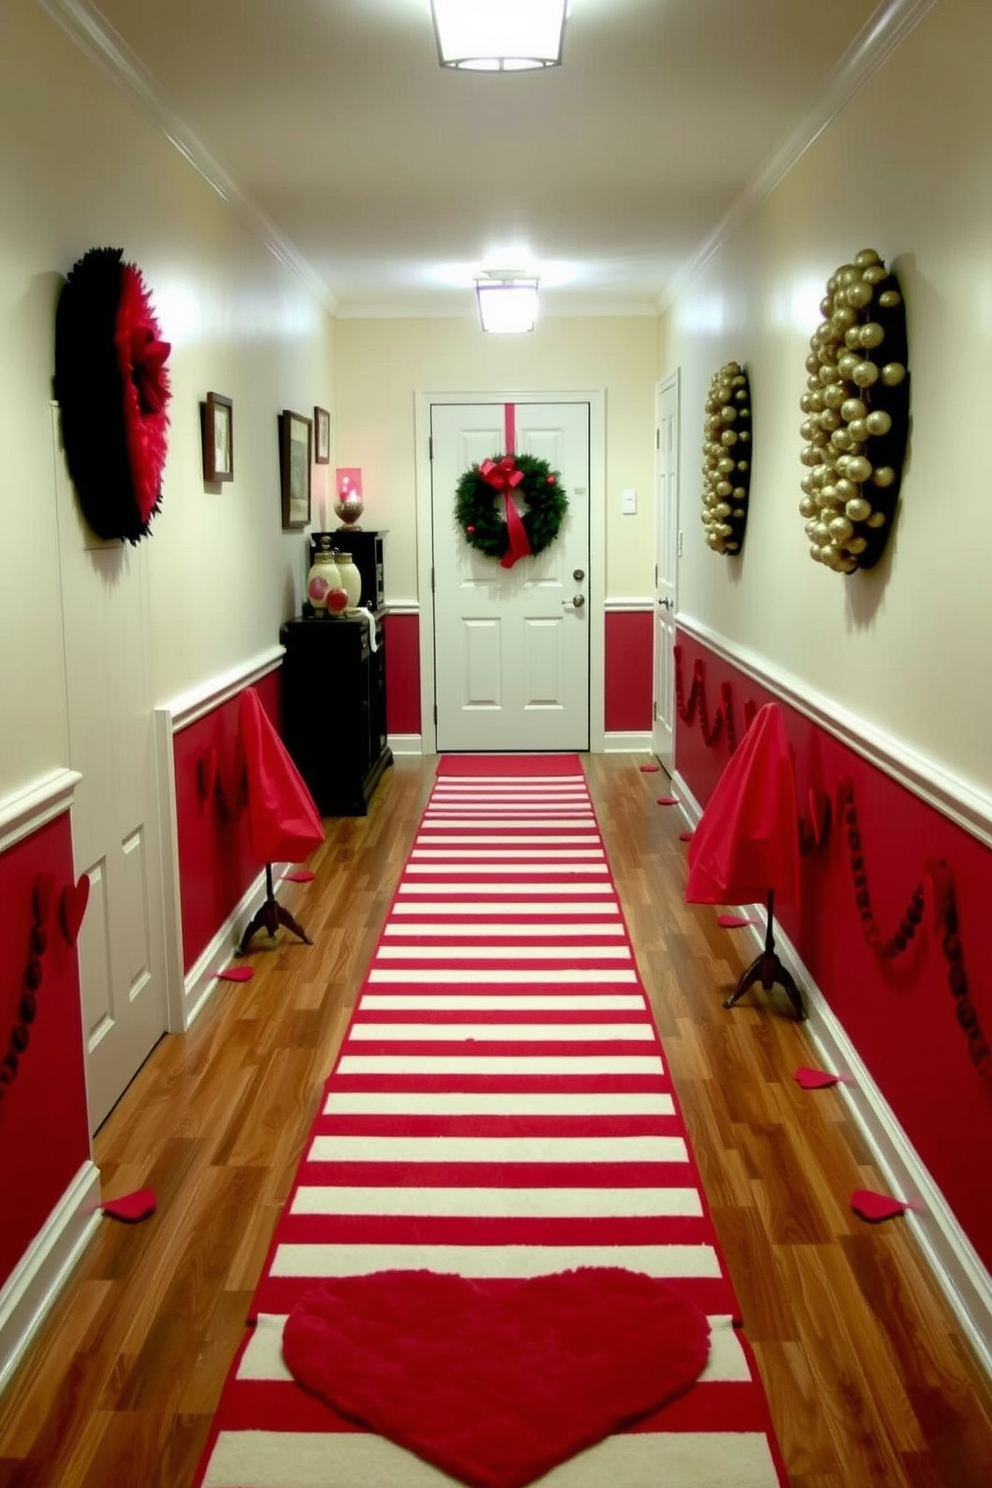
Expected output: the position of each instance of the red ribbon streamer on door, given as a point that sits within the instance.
(503, 475)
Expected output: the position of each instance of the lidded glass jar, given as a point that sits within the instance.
(351, 578)
(322, 577)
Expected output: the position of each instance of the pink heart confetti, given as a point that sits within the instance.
(668, 800)
(131, 1207)
(235, 974)
(814, 1079)
(733, 922)
(299, 875)
(685, 836)
(649, 769)
(875, 1206)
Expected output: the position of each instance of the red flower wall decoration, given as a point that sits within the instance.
(113, 390)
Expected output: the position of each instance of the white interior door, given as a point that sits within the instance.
(666, 568)
(511, 644)
(121, 945)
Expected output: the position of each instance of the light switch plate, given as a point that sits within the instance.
(628, 502)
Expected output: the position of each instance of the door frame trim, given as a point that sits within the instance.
(673, 379)
(595, 398)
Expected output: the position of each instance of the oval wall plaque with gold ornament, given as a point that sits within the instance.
(727, 457)
(856, 416)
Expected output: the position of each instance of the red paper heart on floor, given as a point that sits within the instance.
(685, 836)
(235, 974)
(496, 1382)
(299, 875)
(649, 769)
(733, 922)
(813, 1079)
(668, 800)
(72, 907)
(876, 1206)
(131, 1207)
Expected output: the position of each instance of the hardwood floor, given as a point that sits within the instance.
(869, 1379)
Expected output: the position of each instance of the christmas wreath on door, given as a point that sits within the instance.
(488, 514)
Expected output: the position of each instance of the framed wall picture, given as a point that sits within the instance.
(321, 437)
(217, 428)
(295, 435)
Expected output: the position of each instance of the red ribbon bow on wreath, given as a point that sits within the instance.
(503, 475)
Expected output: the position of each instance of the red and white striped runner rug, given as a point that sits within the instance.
(500, 1108)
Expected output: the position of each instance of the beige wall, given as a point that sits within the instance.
(905, 170)
(382, 365)
(79, 168)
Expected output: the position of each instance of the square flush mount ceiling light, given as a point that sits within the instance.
(507, 302)
(499, 35)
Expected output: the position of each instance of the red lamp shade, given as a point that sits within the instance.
(747, 841)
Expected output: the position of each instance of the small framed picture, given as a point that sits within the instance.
(295, 440)
(321, 437)
(217, 427)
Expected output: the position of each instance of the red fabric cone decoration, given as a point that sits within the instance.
(283, 822)
(747, 839)
(875, 1206)
(496, 1383)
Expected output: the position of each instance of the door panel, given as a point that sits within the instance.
(666, 569)
(511, 651)
(121, 945)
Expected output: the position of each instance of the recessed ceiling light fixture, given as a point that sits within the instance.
(507, 300)
(499, 35)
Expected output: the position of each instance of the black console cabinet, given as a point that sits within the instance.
(334, 709)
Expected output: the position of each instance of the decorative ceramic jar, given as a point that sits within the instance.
(351, 579)
(323, 577)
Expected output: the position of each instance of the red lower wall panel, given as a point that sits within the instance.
(629, 671)
(403, 674)
(216, 865)
(44, 1130)
(901, 1015)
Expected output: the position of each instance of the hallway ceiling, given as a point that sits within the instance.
(395, 181)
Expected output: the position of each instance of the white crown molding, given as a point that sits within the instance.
(961, 800)
(552, 307)
(887, 28)
(43, 800)
(956, 1266)
(200, 700)
(107, 50)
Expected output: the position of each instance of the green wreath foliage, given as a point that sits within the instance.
(480, 509)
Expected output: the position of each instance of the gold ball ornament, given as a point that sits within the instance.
(726, 426)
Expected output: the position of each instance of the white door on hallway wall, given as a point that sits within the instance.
(666, 568)
(511, 662)
(115, 837)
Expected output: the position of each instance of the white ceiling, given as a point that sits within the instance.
(395, 181)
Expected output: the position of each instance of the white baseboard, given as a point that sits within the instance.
(406, 743)
(619, 743)
(42, 1271)
(200, 981)
(956, 1266)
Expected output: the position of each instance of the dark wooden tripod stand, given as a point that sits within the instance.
(272, 914)
(768, 969)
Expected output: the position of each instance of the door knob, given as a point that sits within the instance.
(575, 603)
(578, 574)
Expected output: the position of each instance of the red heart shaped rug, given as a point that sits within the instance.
(496, 1382)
